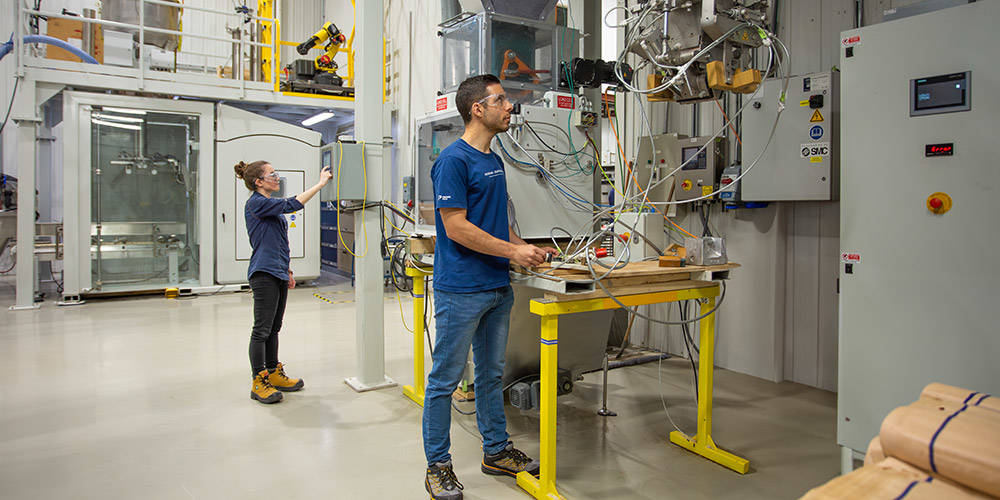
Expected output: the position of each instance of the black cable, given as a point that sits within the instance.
(269, 135)
(11, 105)
(59, 284)
(688, 345)
(550, 148)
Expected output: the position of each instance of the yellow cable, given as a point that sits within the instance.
(401, 317)
(364, 169)
(393, 225)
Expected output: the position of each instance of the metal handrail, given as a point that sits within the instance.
(116, 24)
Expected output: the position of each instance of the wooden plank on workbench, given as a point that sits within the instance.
(631, 290)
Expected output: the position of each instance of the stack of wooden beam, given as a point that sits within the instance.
(944, 445)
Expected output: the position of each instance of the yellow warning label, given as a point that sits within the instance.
(706, 190)
(293, 224)
(816, 159)
(804, 103)
(817, 117)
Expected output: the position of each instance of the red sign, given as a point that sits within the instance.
(564, 101)
(851, 41)
(850, 257)
(442, 103)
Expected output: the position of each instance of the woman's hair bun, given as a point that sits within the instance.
(240, 169)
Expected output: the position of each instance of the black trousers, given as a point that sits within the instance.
(269, 296)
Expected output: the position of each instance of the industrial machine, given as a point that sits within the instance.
(917, 291)
(137, 210)
(318, 75)
(696, 50)
(150, 199)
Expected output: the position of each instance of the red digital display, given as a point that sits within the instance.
(939, 149)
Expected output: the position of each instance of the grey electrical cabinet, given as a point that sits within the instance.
(348, 174)
(918, 290)
(802, 162)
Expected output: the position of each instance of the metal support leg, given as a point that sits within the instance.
(25, 293)
(846, 460)
(545, 486)
(702, 443)
(416, 391)
(604, 411)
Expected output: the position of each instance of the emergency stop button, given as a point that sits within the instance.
(687, 185)
(939, 203)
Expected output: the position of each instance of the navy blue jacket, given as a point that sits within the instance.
(268, 231)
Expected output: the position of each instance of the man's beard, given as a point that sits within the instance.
(499, 126)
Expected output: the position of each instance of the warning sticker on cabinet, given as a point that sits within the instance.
(850, 257)
(821, 82)
(850, 41)
(814, 149)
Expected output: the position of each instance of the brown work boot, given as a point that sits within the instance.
(263, 391)
(281, 382)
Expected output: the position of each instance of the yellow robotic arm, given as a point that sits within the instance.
(329, 31)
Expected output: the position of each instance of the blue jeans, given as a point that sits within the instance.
(482, 320)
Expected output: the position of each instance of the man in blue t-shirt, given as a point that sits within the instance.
(472, 294)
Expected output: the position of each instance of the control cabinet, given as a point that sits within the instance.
(802, 161)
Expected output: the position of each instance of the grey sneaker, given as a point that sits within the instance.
(441, 482)
(509, 462)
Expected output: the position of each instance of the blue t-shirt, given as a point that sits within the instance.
(268, 231)
(465, 177)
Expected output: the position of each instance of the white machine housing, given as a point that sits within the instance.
(80, 228)
(918, 295)
(296, 162)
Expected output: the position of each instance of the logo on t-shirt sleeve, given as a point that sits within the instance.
(494, 173)
(444, 197)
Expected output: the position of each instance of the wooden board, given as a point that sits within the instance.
(620, 291)
(643, 268)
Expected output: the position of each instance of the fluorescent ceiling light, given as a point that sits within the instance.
(318, 117)
(126, 119)
(124, 110)
(117, 125)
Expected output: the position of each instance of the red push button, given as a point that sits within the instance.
(936, 203)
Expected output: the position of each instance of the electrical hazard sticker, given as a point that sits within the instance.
(850, 257)
(850, 41)
(814, 149)
(816, 117)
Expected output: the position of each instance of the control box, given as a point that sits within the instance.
(702, 162)
(802, 161)
(347, 173)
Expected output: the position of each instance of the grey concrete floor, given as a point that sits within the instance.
(149, 398)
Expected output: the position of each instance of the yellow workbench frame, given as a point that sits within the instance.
(544, 487)
(416, 391)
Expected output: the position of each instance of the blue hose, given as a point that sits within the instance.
(9, 46)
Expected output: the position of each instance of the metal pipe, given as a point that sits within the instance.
(604, 412)
(142, 44)
(187, 6)
(19, 37)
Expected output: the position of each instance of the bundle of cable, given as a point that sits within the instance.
(954, 394)
(875, 452)
(891, 479)
(947, 439)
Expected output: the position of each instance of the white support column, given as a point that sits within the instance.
(368, 127)
(26, 121)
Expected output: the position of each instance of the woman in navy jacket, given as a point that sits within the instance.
(270, 275)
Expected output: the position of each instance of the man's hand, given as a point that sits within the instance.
(529, 255)
(291, 280)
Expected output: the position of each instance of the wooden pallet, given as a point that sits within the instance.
(634, 278)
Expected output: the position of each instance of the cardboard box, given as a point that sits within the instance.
(345, 261)
(72, 33)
